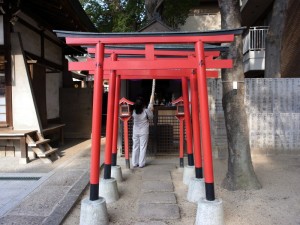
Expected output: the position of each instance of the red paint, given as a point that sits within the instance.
(97, 111)
(181, 137)
(204, 114)
(110, 115)
(195, 121)
(126, 137)
(116, 115)
(151, 64)
(187, 115)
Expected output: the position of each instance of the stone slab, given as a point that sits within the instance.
(65, 205)
(24, 220)
(158, 211)
(40, 202)
(150, 223)
(158, 197)
(157, 186)
(155, 175)
(66, 178)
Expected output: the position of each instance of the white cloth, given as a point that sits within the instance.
(139, 149)
(141, 121)
(140, 136)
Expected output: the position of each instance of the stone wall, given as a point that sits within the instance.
(273, 109)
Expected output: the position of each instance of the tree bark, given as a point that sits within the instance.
(240, 174)
(274, 39)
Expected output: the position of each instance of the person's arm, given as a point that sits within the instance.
(149, 111)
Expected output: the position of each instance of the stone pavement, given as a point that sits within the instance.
(157, 200)
(39, 193)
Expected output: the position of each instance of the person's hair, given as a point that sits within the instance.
(139, 105)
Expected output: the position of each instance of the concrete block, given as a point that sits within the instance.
(93, 212)
(196, 190)
(116, 172)
(157, 186)
(158, 197)
(210, 212)
(108, 189)
(159, 211)
(188, 173)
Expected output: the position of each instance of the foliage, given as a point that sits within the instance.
(115, 15)
(130, 15)
(176, 12)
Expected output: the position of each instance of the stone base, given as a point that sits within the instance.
(196, 190)
(108, 189)
(93, 212)
(116, 172)
(188, 173)
(210, 212)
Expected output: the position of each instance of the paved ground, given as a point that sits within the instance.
(39, 193)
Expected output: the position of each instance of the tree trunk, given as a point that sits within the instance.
(240, 174)
(274, 39)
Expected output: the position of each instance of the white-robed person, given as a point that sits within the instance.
(140, 135)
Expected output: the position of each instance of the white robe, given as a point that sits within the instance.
(140, 136)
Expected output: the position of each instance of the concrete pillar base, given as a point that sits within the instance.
(196, 190)
(210, 212)
(93, 212)
(116, 172)
(108, 189)
(188, 173)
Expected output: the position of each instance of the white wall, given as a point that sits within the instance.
(31, 41)
(25, 116)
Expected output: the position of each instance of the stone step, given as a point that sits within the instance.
(158, 197)
(159, 211)
(157, 186)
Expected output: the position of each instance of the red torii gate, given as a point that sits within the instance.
(151, 63)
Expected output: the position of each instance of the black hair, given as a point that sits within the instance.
(139, 105)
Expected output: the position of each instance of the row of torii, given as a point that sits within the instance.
(120, 56)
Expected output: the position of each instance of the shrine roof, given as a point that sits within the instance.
(158, 46)
(64, 34)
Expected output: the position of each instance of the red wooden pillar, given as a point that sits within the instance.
(181, 141)
(96, 123)
(196, 126)
(109, 122)
(116, 121)
(205, 127)
(187, 117)
(126, 142)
